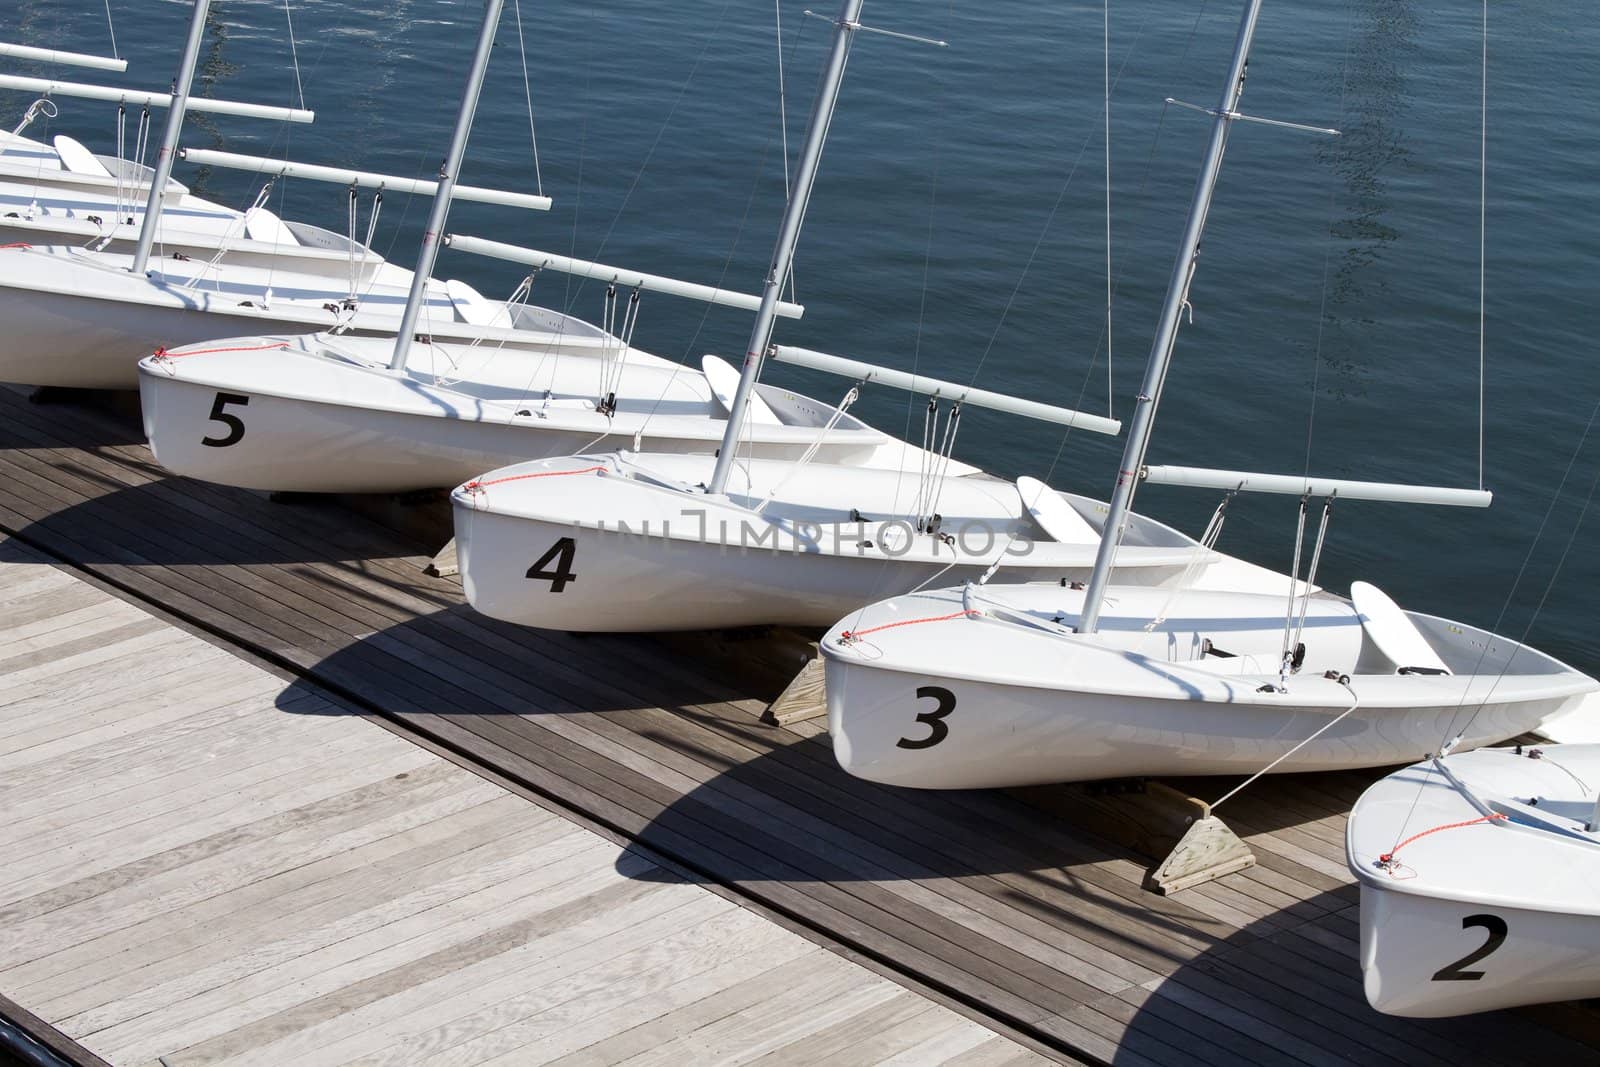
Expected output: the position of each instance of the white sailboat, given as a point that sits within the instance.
(999, 686)
(84, 316)
(340, 413)
(63, 193)
(1480, 881)
(688, 542)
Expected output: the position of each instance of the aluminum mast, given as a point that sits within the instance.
(169, 139)
(447, 184)
(788, 234)
(1155, 374)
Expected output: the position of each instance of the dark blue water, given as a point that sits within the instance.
(958, 227)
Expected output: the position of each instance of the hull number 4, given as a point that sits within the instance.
(559, 559)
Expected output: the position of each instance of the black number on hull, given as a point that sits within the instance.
(234, 424)
(1456, 971)
(945, 703)
(560, 552)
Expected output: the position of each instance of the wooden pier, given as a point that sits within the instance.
(208, 864)
(999, 905)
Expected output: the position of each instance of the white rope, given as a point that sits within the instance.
(527, 91)
(235, 228)
(352, 210)
(294, 54)
(942, 462)
(822, 435)
(630, 319)
(1294, 588)
(372, 227)
(1311, 574)
(122, 162)
(42, 106)
(1202, 552)
(1356, 703)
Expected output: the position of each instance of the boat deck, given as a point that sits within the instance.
(997, 904)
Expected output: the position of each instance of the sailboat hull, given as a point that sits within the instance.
(931, 698)
(1022, 736)
(77, 320)
(654, 553)
(1408, 941)
(1471, 914)
(325, 414)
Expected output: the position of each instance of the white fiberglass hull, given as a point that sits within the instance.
(76, 319)
(42, 202)
(930, 697)
(324, 414)
(653, 555)
(1468, 913)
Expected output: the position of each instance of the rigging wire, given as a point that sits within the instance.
(527, 91)
(1483, 200)
(112, 29)
(294, 54)
(733, 246)
(1105, 51)
(1327, 253)
(783, 108)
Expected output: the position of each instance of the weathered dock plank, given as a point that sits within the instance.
(239, 870)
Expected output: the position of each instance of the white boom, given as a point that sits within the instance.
(965, 394)
(138, 98)
(65, 59)
(1294, 485)
(365, 178)
(630, 279)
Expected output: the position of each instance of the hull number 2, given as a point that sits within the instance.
(559, 554)
(944, 704)
(1457, 972)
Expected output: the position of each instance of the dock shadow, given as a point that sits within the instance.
(68, 418)
(161, 520)
(455, 665)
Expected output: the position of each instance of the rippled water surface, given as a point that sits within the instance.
(959, 226)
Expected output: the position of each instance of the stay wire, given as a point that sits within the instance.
(1327, 252)
(1483, 199)
(112, 29)
(294, 54)
(527, 92)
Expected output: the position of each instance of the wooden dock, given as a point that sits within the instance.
(997, 904)
(208, 864)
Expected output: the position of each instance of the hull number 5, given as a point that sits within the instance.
(220, 413)
(944, 704)
(1457, 972)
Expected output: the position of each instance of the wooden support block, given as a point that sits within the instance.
(1187, 843)
(1207, 851)
(803, 698)
(443, 563)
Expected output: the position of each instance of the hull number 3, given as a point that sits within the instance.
(944, 704)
